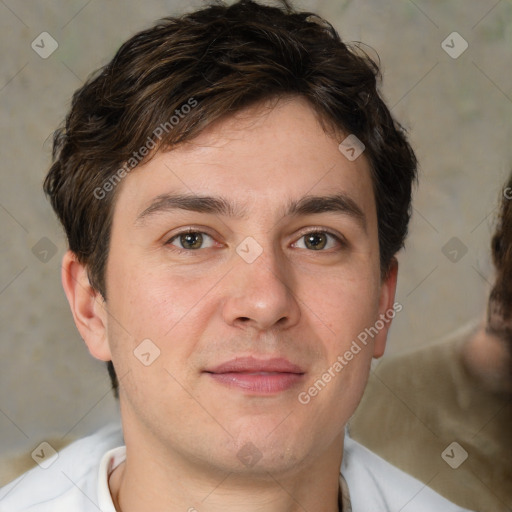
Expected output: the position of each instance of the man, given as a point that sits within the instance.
(458, 390)
(233, 190)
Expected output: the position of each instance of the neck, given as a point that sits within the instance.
(156, 478)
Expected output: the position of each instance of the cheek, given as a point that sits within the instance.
(153, 300)
(332, 394)
(168, 309)
(349, 308)
(347, 304)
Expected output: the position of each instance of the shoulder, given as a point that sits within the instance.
(68, 481)
(374, 484)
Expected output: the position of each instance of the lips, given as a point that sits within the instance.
(260, 376)
(253, 365)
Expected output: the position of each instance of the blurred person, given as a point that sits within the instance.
(217, 184)
(458, 390)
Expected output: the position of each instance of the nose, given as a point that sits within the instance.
(260, 294)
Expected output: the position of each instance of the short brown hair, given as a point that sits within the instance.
(499, 311)
(218, 60)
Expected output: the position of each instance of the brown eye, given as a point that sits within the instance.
(318, 241)
(192, 240)
(315, 241)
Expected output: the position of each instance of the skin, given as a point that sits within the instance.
(205, 306)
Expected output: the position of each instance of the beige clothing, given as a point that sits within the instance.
(416, 405)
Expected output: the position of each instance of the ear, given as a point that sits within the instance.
(387, 308)
(87, 305)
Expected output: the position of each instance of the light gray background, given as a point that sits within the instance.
(458, 111)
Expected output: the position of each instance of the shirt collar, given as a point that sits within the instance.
(108, 463)
(344, 496)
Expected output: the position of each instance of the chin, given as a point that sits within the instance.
(267, 446)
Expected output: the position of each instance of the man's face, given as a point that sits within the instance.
(249, 304)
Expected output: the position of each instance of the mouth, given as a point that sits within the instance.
(259, 376)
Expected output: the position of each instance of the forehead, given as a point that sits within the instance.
(263, 158)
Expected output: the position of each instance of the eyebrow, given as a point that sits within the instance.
(338, 203)
(307, 205)
(194, 203)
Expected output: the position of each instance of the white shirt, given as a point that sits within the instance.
(77, 481)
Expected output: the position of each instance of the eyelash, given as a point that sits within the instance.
(339, 239)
